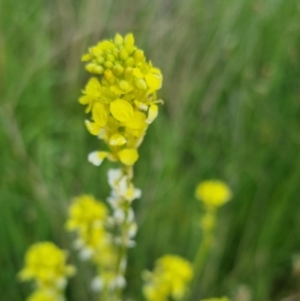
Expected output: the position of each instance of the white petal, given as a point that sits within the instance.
(114, 174)
(86, 254)
(78, 244)
(131, 244)
(102, 134)
(130, 216)
(123, 264)
(96, 158)
(120, 281)
(97, 284)
(61, 283)
(137, 193)
(119, 215)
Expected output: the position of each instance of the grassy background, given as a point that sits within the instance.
(232, 111)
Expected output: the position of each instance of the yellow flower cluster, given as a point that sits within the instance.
(170, 278)
(45, 264)
(213, 193)
(88, 217)
(121, 96)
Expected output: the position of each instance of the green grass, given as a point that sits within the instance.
(232, 111)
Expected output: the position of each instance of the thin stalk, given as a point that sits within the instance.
(208, 226)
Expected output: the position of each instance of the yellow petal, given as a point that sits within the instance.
(154, 81)
(85, 99)
(152, 113)
(121, 110)
(137, 122)
(92, 127)
(99, 114)
(93, 87)
(116, 90)
(138, 73)
(117, 139)
(128, 156)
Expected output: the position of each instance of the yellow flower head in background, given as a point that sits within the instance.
(88, 217)
(46, 264)
(213, 193)
(85, 212)
(121, 96)
(170, 278)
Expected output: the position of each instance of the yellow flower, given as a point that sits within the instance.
(213, 193)
(170, 278)
(46, 264)
(121, 96)
(86, 211)
(88, 217)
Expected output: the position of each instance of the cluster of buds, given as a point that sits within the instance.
(170, 279)
(89, 218)
(45, 265)
(121, 96)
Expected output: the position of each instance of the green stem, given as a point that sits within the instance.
(205, 245)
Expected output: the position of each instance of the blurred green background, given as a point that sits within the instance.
(232, 111)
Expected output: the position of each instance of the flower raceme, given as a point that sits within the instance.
(89, 218)
(170, 278)
(121, 96)
(45, 264)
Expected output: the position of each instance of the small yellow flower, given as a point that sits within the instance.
(213, 193)
(46, 264)
(85, 211)
(170, 278)
(88, 217)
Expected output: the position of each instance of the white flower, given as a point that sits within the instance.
(97, 284)
(86, 254)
